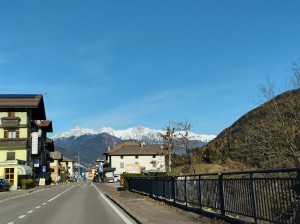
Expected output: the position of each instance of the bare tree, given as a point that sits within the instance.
(182, 137)
(176, 136)
(273, 138)
(169, 143)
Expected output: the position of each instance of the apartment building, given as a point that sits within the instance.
(23, 144)
(132, 157)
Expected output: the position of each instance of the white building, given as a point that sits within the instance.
(132, 157)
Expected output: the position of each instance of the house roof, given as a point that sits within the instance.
(153, 149)
(65, 159)
(121, 146)
(45, 125)
(56, 155)
(34, 102)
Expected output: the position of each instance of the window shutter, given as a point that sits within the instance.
(17, 134)
(11, 114)
(5, 134)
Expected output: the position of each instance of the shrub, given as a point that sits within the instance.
(127, 176)
(23, 181)
(29, 181)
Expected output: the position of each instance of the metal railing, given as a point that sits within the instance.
(253, 196)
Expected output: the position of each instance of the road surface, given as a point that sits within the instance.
(80, 203)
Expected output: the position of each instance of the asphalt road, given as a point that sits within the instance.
(81, 203)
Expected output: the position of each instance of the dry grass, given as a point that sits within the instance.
(203, 168)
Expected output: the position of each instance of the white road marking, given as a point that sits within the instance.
(125, 219)
(26, 194)
(37, 207)
(60, 194)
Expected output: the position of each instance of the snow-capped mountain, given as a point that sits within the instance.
(138, 133)
(91, 144)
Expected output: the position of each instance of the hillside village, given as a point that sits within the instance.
(28, 156)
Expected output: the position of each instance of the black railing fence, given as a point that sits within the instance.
(253, 196)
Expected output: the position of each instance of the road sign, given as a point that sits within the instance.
(100, 168)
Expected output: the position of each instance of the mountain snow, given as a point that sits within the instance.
(138, 133)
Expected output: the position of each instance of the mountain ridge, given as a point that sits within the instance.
(138, 133)
(91, 144)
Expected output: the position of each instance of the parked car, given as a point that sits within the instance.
(110, 179)
(4, 185)
(117, 178)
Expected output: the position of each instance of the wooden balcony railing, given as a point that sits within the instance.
(10, 122)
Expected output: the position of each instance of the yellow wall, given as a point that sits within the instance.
(3, 114)
(23, 116)
(20, 154)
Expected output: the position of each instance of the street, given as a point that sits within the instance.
(77, 203)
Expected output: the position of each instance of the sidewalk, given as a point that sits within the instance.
(147, 210)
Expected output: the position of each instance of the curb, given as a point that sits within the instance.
(121, 207)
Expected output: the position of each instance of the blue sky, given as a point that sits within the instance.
(125, 63)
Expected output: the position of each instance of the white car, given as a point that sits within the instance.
(117, 178)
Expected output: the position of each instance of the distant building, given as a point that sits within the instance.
(67, 168)
(132, 157)
(55, 166)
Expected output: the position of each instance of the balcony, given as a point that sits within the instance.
(13, 142)
(10, 122)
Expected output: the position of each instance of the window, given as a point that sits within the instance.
(136, 157)
(122, 165)
(154, 156)
(10, 175)
(11, 134)
(10, 156)
(121, 157)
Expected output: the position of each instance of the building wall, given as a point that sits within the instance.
(55, 174)
(23, 131)
(20, 154)
(70, 169)
(144, 161)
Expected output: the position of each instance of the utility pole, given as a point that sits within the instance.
(78, 168)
